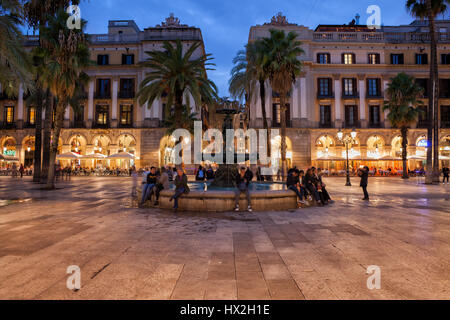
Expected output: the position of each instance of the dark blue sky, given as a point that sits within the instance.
(225, 24)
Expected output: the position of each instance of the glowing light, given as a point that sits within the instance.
(340, 135)
(354, 133)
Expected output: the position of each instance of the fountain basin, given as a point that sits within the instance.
(223, 199)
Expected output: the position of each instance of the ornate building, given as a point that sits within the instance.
(346, 70)
(111, 119)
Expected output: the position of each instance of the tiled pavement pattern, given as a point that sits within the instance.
(314, 253)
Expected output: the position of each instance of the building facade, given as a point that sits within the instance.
(111, 120)
(346, 70)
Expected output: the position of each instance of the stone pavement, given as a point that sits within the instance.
(314, 253)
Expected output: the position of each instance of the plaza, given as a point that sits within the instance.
(125, 252)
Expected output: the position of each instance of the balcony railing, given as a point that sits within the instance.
(445, 124)
(350, 95)
(101, 125)
(79, 124)
(103, 95)
(375, 125)
(9, 126)
(126, 94)
(379, 37)
(350, 125)
(326, 125)
(444, 94)
(377, 95)
(422, 124)
(325, 95)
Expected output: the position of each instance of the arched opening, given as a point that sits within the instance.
(28, 147)
(78, 144)
(375, 147)
(396, 147)
(102, 145)
(127, 143)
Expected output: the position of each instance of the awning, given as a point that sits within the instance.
(94, 156)
(417, 158)
(4, 157)
(68, 156)
(332, 158)
(444, 158)
(122, 156)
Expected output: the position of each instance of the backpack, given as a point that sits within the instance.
(200, 174)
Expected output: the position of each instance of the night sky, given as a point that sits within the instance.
(225, 24)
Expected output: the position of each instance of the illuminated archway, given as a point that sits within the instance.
(28, 146)
(396, 147)
(375, 147)
(101, 144)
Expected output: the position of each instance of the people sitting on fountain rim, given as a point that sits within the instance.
(181, 186)
(162, 184)
(310, 183)
(321, 187)
(293, 183)
(243, 180)
(149, 184)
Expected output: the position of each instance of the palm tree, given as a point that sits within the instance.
(36, 14)
(176, 75)
(66, 52)
(283, 66)
(403, 93)
(14, 61)
(430, 9)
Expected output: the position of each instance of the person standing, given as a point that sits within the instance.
(181, 186)
(162, 184)
(364, 174)
(446, 172)
(243, 180)
(21, 170)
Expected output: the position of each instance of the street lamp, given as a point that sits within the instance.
(347, 140)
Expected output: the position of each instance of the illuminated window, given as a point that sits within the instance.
(31, 115)
(9, 115)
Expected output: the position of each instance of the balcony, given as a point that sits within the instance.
(350, 95)
(96, 125)
(422, 124)
(79, 124)
(9, 126)
(325, 95)
(351, 125)
(445, 94)
(126, 94)
(29, 125)
(374, 125)
(326, 125)
(103, 95)
(377, 95)
(445, 124)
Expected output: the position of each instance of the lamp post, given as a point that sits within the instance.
(347, 140)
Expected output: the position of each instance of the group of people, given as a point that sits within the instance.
(156, 180)
(308, 185)
(18, 171)
(204, 174)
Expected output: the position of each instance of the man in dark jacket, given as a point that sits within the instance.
(293, 183)
(149, 185)
(364, 174)
(446, 172)
(243, 180)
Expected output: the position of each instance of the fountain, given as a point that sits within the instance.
(219, 196)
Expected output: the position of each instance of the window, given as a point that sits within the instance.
(445, 116)
(101, 115)
(277, 115)
(423, 117)
(126, 115)
(424, 84)
(349, 85)
(444, 88)
(324, 86)
(31, 117)
(325, 116)
(103, 88)
(79, 117)
(374, 58)
(397, 58)
(374, 116)
(323, 58)
(421, 58)
(103, 59)
(348, 58)
(373, 87)
(128, 59)
(9, 115)
(351, 116)
(126, 88)
(445, 58)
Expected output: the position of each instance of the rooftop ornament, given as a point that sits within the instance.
(172, 22)
(279, 20)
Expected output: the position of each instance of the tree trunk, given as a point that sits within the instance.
(435, 94)
(262, 94)
(404, 132)
(38, 137)
(59, 121)
(432, 107)
(283, 134)
(47, 136)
